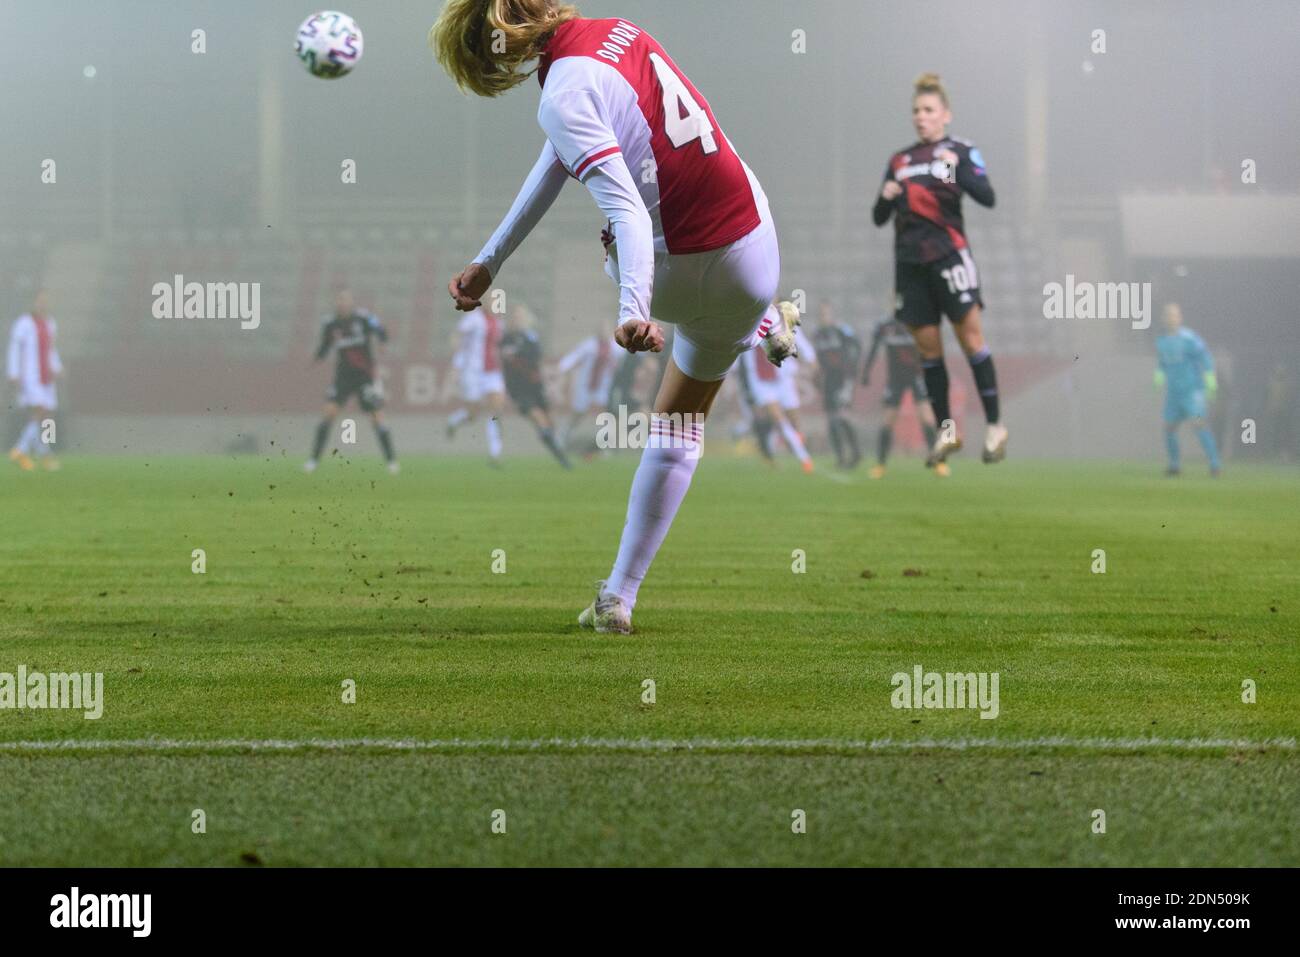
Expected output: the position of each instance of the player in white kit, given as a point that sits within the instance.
(694, 243)
(478, 374)
(591, 365)
(32, 365)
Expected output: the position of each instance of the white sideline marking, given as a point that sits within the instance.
(519, 745)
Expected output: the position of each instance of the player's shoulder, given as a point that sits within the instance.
(969, 148)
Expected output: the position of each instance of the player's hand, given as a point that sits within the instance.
(638, 336)
(891, 191)
(948, 157)
(1211, 384)
(468, 288)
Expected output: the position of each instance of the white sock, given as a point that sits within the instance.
(661, 481)
(494, 438)
(458, 418)
(793, 440)
(28, 436)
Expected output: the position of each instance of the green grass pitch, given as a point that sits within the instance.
(476, 693)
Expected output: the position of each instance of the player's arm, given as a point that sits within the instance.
(535, 197)
(890, 190)
(574, 120)
(323, 347)
(377, 327)
(973, 178)
(1205, 364)
(575, 355)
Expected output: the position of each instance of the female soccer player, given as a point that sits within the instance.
(694, 244)
(933, 271)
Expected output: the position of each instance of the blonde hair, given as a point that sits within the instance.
(930, 83)
(484, 45)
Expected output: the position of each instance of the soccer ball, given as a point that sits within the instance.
(329, 44)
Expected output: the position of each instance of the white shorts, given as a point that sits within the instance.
(766, 392)
(587, 399)
(789, 392)
(716, 299)
(34, 394)
(475, 386)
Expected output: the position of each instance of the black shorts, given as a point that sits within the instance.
(926, 291)
(900, 383)
(369, 393)
(528, 397)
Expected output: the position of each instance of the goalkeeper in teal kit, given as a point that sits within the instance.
(1186, 369)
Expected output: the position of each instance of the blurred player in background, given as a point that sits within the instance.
(774, 393)
(934, 274)
(351, 334)
(32, 366)
(521, 361)
(1186, 370)
(903, 375)
(590, 366)
(478, 374)
(838, 353)
(696, 239)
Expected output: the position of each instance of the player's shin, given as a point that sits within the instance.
(322, 434)
(936, 384)
(385, 437)
(662, 479)
(884, 442)
(986, 382)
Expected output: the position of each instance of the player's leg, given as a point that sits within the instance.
(925, 415)
(20, 454)
(1172, 449)
(662, 479)
(1195, 409)
(929, 343)
(44, 454)
(385, 436)
(541, 420)
(885, 438)
(328, 414)
(970, 334)
(495, 406)
(725, 297)
(793, 440)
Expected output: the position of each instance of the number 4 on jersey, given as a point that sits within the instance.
(695, 125)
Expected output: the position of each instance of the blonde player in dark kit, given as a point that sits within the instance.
(934, 273)
(694, 245)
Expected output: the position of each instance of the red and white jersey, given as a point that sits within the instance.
(33, 358)
(613, 101)
(480, 334)
(609, 88)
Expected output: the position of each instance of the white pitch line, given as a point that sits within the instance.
(720, 745)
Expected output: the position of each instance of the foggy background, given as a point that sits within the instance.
(1124, 166)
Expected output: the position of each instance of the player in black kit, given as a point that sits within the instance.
(934, 273)
(838, 353)
(521, 363)
(350, 334)
(903, 368)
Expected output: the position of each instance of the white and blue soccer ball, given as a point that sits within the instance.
(329, 44)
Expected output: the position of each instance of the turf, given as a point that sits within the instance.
(1119, 691)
